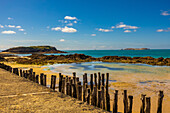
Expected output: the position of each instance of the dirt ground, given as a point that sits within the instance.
(20, 95)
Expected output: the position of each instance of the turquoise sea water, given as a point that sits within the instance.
(156, 53)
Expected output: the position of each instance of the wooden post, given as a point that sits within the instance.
(41, 78)
(103, 98)
(45, 80)
(99, 80)
(95, 79)
(160, 100)
(107, 93)
(67, 88)
(74, 77)
(84, 89)
(103, 79)
(33, 76)
(74, 90)
(88, 96)
(60, 81)
(125, 101)
(99, 99)
(71, 82)
(94, 97)
(20, 72)
(142, 110)
(80, 92)
(63, 86)
(51, 81)
(115, 106)
(130, 104)
(91, 82)
(37, 79)
(148, 105)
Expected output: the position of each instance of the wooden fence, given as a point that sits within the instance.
(95, 92)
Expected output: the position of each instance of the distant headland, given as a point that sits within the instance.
(33, 50)
(136, 49)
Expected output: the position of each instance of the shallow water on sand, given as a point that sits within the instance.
(120, 72)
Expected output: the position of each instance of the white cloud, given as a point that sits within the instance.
(9, 18)
(127, 31)
(160, 30)
(56, 29)
(105, 30)
(70, 18)
(25, 33)
(75, 22)
(21, 30)
(8, 32)
(68, 30)
(113, 27)
(65, 29)
(165, 13)
(69, 24)
(163, 30)
(18, 27)
(124, 26)
(62, 40)
(1, 26)
(11, 26)
(93, 34)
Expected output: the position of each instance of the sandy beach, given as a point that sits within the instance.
(135, 89)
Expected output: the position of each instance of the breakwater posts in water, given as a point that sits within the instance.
(95, 92)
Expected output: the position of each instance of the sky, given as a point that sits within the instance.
(85, 24)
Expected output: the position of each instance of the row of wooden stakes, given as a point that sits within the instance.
(95, 92)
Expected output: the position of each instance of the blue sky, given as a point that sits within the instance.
(85, 24)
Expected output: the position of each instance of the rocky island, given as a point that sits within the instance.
(32, 50)
(136, 49)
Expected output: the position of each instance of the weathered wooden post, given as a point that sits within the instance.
(33, 77)
(103, 79)
(74, 77)
(107, 93)
(71, 82)
(130, 104)
(37, 79)
(95, 79)
(41, 78)
(45, 80)
(99, 99)
(74, 90)
(63, 85)
(142, 110)
(88, 96)
(99, 80)
(20, 72)
(103, 98)
(115, 106)
(160, 100)
(148, 105)
(94, 97)
(91, 82)
(60, 81)
(51, 81)
(125, 101)
(84, 89)
(67, 88)
(80, 92)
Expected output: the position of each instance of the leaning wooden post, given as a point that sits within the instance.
(125, 101)
(103, 98)
(99, 80)
(148, 105)
(142, 110)
(99, 99)
(130, 104)
(115, 106)
(60, 81)
(91, 82)
(107, 93)
(160, 100)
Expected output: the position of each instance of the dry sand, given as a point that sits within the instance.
(20, 95)
(151, 90)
